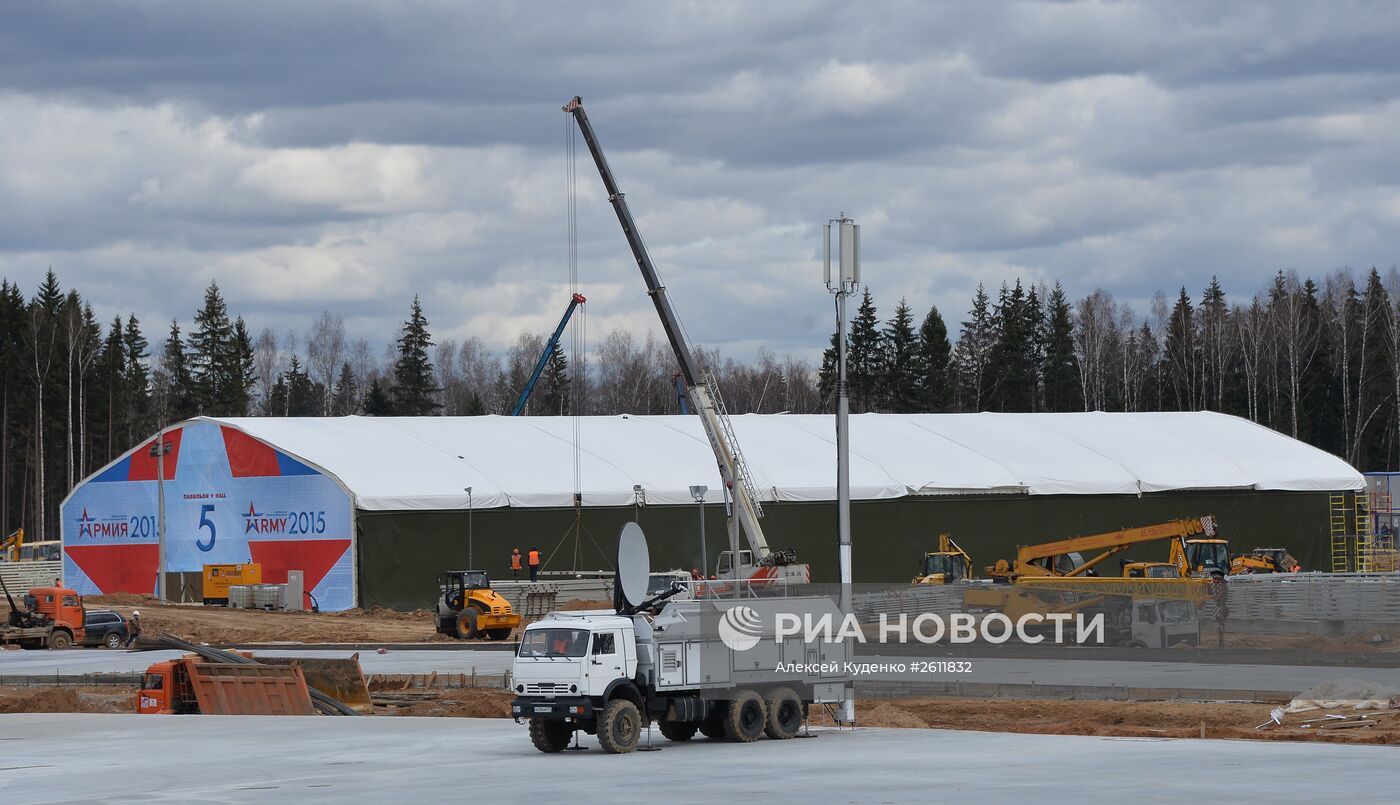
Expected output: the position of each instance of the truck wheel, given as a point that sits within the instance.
(784, 714)
(1136, 644)
(498, 634)
(619, 727)
(679, 730)
(112, 640)
(550, 736)
(744, 720)
(466, 624)
(60, 640)
(713, 726)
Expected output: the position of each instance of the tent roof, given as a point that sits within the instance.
(427, 462)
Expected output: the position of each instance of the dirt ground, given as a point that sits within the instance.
(222, 625)
(1136, 719)
(1140, 719)
(96, 699)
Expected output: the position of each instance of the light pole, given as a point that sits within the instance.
(845, 284)
(697, 493)
(471, 561)
(158, 452)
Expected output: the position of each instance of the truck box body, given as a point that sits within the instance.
(191, 685)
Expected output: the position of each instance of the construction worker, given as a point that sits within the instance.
(133, 628)
(535, 563)
(515, 563)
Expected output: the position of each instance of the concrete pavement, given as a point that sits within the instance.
(223, 759)
(1002, 671)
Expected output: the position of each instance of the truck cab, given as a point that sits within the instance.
(573, 660)
(1163, 624)
(51, 617)
(162, 692)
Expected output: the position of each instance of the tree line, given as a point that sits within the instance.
(1320, 362)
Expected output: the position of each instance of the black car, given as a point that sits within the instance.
(104, 627)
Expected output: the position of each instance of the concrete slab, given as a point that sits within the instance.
(1008, 671)
(90, 661)
(192, 759)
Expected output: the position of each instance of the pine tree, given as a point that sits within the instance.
(903, 363)
(972, 356)
(238, 371)
(181, 401)
(303, 396)
(865, 359)
(475, 407)
(136, 380)
(210, 346)
(344, 401)
(935, 385)
(415, 392)
(377, 403)
(111, 368)
(553, 391)
(1013, 371)
(826, 375)
(1181, 354)
(1060, 372)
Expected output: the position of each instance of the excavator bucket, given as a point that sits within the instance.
(341, 679)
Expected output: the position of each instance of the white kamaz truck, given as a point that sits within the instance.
(712, 666)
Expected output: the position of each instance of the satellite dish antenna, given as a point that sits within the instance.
(633, 564)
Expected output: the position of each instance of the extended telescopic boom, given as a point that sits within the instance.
(702, 400)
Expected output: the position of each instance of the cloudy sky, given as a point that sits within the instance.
(349, 155)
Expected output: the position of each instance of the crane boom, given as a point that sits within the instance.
(544, 356)
(1038, 560)
(702, 400)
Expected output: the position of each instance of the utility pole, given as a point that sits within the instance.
(844, 284)
(158, 452)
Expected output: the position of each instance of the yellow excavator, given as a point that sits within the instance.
(946, 565)
(1264, 560)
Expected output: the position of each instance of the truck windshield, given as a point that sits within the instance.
(152, 682)
(554, 643)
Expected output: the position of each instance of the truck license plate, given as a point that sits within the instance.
(539, 709)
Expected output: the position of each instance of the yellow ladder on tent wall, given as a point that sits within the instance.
(1365, 535)
(1341, 559)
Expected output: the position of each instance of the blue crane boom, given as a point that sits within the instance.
(544, 356)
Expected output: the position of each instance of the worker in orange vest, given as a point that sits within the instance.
(515, 563)
(535, 564)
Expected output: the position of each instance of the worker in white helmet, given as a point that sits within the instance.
(133, 628)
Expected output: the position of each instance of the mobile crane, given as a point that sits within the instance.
(761, 563)
(1064, 557)
(549, 346)
(10, 546)
(1146, 608)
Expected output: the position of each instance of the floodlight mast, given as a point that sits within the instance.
(702, 399)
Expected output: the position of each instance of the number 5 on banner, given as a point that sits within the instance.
(205, 522)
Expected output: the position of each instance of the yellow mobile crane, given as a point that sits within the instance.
(1054, 577)
(9, 546)
(948, 564)
(1065, 557)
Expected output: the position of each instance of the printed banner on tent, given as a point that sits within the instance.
(229, 499)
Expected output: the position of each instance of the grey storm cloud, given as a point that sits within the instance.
(348, 155)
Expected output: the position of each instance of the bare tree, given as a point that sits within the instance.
(1095, 334)
(325, 352)
(265, 365)
(480, 372)
(1296, 336)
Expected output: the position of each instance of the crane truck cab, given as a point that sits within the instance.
(51, 617)
(1161, 624)
(1150, 570)
(1203, 556)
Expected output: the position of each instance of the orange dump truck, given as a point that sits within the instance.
(192, 685)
